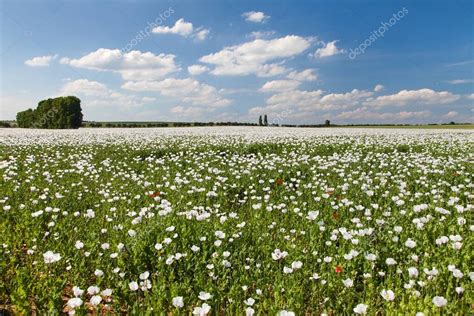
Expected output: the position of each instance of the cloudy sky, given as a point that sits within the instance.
(297, 61)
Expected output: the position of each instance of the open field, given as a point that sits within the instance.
(237, 220)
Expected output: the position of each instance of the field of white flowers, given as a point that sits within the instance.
(237, 221)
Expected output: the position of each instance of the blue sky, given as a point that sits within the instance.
(297, 61)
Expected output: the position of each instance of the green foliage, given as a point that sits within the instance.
(25, 118)
(57, 113)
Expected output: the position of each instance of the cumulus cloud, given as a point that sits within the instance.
(261, 34)
(40, 61)
(133, 65)
(309, 101)
(406, 97)
(180, 27)
(460, 81)
(295, 100)
(148, 99)
(186, 90)
(183, 28)
(309, 104)
(344, 100)
(451, 114)
(379, 88)
(471, 96)
(253, 57)
(201, 34)
(190, 111)
(305, 75)
(364, 115)
(329, 49)
(279, 85)
(355, 105)
(85, 87)
(255, 16)
(97, 94)
(197, 69)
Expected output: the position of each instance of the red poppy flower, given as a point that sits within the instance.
(279, 181)
(157, 193)
(338, 269)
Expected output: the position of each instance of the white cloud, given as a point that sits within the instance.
(344, 100)
(300, 101)
(96, 94)
(181, 27)
(305, 104)
(148, 99)
(191, 111)
(309, 107)
(362, 114)
(305, 75)
(462, 63)
(261, 34)
(307, 101)
(202, 34)
(460, 81)
(255, 16)
(85, 87)
(252, 57)
(270, 70)
(187, 90)
(451, 114)
(471, 96)
(379, 88)
(296, 100)
(133, 65)
(329, 49)
(279, 85)
(406, 97)
(40, 61)
(197, 69)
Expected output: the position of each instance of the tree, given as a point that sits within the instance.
(265, 121)
(25, 118)
(260, 121)
(57, 113)
(327, 123)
